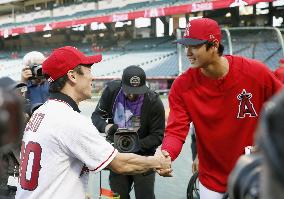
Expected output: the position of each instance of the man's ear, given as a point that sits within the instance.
(71, 76)
(215, 45)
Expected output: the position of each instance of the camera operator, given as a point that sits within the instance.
(120, 102)
(12, 123)
(32, 75)
(270, 140)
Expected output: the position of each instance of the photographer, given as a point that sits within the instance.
(32, 75)
(260, 175)
(270, 140)
(121, 101)
(12, 120)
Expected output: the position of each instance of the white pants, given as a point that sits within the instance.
(208, 194)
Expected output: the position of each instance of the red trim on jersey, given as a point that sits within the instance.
(104, 161)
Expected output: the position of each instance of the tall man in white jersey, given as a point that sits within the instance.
(60, 146)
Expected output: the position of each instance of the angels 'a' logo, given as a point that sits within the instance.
(245, 106)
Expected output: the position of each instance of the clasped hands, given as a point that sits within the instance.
(165, 160)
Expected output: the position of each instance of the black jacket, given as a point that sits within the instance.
(152, 117)
(10, 159)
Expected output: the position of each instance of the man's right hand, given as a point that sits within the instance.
(166, 170)
(111, 129)
(26, 74)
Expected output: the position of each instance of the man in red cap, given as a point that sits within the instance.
(279, 72)
(60, 146)
(222, 96)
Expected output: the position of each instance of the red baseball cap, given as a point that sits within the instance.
(64, 59)
(199, 31)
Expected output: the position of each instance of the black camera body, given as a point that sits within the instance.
(126, 140)
(37, 72)
(244, 180)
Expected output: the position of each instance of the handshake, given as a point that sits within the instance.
(165, 161)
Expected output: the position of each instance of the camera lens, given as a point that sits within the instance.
(38, 72)
(126, 143)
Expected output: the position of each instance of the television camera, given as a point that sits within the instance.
(126, 140)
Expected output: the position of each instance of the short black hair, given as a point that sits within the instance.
(57, 85)
(220, 48)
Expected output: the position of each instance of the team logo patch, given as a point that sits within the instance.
(245, 106)
(135, 81)
(211, 37)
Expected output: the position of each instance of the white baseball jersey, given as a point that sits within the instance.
(57, 142)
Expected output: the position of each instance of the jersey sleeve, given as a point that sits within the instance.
(85, 143)
(271, 84)
(177, 125)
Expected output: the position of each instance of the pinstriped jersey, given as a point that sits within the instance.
(57, 143)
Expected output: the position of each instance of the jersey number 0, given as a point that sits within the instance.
(35, 149)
